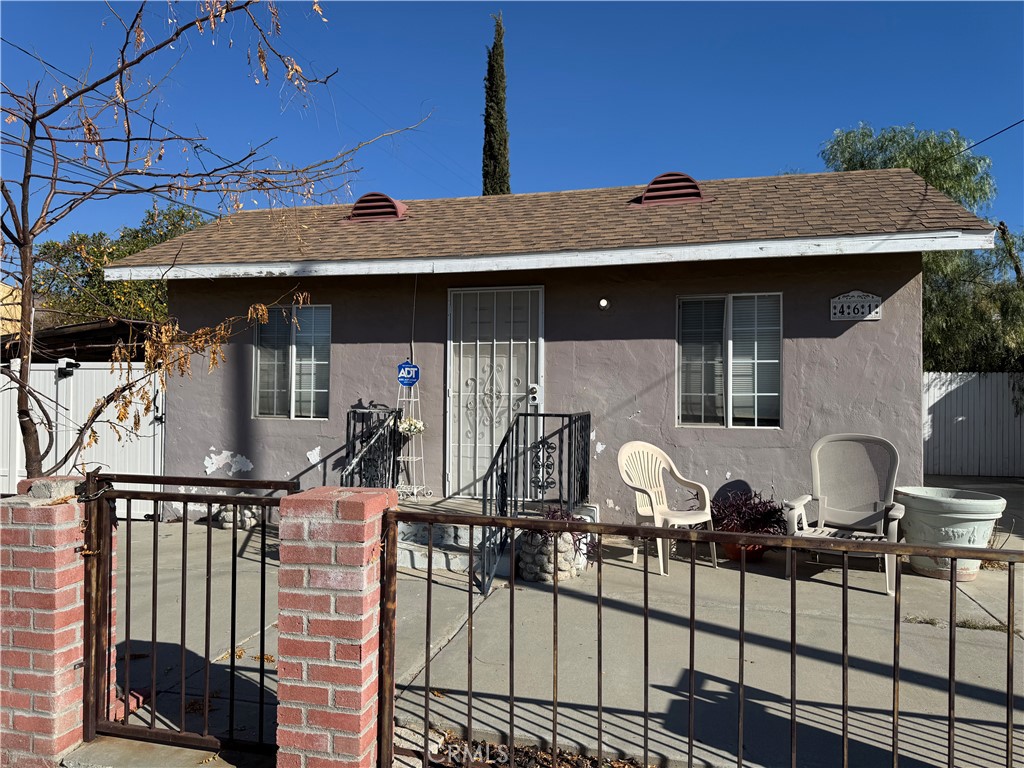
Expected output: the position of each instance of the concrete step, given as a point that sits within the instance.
(114, 752)
(417, 557)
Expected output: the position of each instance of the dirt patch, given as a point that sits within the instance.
(457, 753)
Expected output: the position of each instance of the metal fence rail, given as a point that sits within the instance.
(374, 444)
(890, 711)
(149, 704)
(543, 459)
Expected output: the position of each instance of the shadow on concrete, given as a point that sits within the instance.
(523, 687)
(176, 689)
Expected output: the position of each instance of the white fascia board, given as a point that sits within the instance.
(952, 240)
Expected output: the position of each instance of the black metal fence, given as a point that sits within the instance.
(542, 461)
(187, 641)
(373, 444)
(799, 727)
(543, 457)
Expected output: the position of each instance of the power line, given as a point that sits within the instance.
(977, 143)
(411, 137)
(100, 175)
(53, 66)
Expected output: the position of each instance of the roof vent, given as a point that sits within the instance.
(669, 188)
(375, 206)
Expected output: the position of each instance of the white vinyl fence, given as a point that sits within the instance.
(70, 399)
(970, 427)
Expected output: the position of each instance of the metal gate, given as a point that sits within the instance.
(179, 640)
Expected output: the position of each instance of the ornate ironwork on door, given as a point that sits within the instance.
(494, 376)
(488, 404)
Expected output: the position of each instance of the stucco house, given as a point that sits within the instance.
(732, 322)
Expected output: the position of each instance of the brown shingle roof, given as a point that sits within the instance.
(734, 210)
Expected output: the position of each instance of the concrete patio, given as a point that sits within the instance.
(981, 671)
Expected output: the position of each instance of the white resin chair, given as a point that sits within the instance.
(641, 466)
(852, 479)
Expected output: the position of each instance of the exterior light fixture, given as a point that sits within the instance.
(603, 304)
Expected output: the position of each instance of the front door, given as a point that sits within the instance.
(495, 372)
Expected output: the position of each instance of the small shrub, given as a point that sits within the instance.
(583, 544)
(748, 512)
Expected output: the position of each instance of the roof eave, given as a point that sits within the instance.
(944, 240)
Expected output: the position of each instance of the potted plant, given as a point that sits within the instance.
(410, 426)
(541, 553)
(747, 512)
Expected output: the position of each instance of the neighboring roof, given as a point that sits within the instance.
(90, 342)
(851, 212)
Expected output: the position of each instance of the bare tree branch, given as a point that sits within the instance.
(97, 410)
(1011, 252)
(180, 30)
(109, 116)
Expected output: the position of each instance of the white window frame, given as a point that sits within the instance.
(727, 361)
(291, 367)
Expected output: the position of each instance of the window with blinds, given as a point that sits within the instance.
(730, 360)
(293, 353)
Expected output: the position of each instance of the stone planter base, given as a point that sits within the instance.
(540, 556)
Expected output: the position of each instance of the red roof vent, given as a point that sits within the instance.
(374, 206)
(670, 188)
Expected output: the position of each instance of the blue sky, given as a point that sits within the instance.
(599, 94)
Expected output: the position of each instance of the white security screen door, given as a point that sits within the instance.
(495, 371)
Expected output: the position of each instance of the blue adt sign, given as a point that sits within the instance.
(408, 374)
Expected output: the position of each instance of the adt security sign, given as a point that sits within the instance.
(408, 374)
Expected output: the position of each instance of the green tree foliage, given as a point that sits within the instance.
(69, 273)
(973, 301)
(496, 173)
(941, 159)
(973, 310)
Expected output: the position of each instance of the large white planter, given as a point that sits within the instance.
(948, 517)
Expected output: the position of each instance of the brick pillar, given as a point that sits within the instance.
(328, 616)
(41, 624)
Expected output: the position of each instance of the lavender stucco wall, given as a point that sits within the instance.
(618, 364)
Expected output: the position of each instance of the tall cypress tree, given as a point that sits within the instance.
(497, 178)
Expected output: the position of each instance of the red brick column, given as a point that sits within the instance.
(41, 624)
(328, 616)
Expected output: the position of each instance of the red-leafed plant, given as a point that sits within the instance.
(748, 512)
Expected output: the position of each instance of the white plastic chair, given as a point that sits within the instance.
(641, 466)
(852, 479)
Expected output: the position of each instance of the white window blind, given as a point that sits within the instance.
(293, 352)
(730, 356)
(701, 361)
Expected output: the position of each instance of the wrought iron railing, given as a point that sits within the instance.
(543, 460)
(711, 665)
(374, 444)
